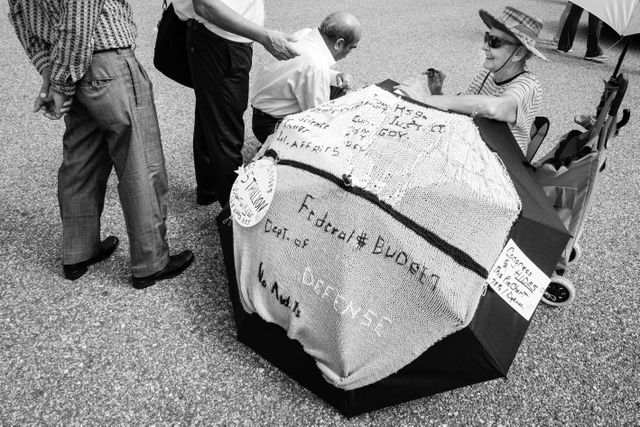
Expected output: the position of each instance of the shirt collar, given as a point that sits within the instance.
(324, 49)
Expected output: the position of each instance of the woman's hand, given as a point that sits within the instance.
(413, 88)
(435, 80)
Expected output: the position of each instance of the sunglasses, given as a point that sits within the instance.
(496, 42)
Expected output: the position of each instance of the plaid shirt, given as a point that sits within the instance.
(63, 34)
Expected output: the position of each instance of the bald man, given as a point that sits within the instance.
(308, 80)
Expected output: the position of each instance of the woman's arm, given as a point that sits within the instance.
(501, 108)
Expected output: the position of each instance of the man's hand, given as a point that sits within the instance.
(279, 45)
(49, 103)
(42, 99)
(61, 103)
(344, 80)
(56, 105)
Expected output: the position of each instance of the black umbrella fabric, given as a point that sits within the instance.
(481, 351)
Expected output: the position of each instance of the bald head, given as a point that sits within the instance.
(341, 31)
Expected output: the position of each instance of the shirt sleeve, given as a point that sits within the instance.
(313, 88)
(36, 48)
(527, 93)
(333, 77)
(73, 52)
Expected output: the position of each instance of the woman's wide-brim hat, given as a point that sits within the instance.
(520, 25)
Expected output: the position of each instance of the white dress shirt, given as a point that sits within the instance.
(287, 87)
(253, 10)
(184, 9)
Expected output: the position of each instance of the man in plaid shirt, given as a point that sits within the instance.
(90, 75)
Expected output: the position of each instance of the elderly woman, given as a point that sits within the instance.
(504, 89)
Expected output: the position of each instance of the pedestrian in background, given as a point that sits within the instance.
(563, 18)
(90, 75)
(594, 52)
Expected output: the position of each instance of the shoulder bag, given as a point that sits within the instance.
(170, 52)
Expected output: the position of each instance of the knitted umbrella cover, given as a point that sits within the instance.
(387, 216)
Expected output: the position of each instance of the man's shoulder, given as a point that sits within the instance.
(308, 61)
(303, 33)
(310, 53)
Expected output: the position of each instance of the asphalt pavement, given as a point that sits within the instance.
(97, 351)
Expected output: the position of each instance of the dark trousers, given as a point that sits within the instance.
(570, 28)
(220, 74)
(264, 124)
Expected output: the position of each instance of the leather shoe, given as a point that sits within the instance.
(76, 271)
(176, 265)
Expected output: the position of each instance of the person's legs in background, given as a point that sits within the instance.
(594, 52)
(561, 22)
(568, 33)
(556, 37)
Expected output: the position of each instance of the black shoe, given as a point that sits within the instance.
(75, 271)
(205, 199)
(602, 58)
(177, 264)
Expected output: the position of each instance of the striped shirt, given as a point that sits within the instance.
(526, 90)
(63, 34)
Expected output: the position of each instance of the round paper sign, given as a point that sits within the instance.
(252, 192)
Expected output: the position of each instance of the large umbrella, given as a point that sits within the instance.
(483, 350)
(623, 16)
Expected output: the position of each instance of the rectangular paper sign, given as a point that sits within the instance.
(518, 280)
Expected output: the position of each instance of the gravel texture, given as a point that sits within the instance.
(97, 351)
